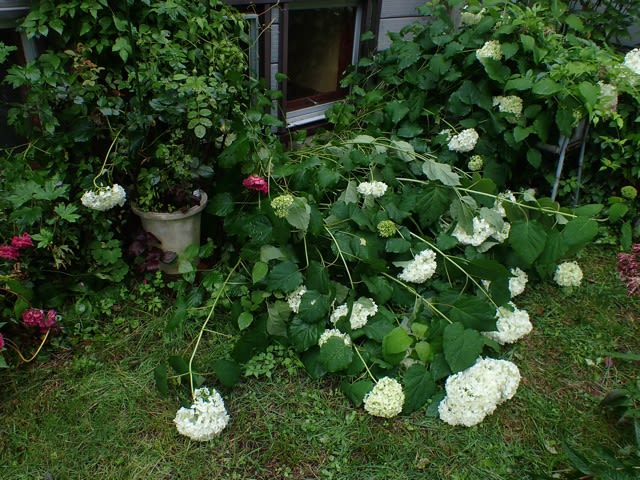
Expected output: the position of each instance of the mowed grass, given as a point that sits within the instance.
(95, 413)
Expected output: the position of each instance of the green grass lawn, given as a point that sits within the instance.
(92, 411)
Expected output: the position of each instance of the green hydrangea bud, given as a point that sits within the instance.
(386, 228)
(475, 163)
(281, 205)
(629, 192)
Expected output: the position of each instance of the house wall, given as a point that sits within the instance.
(394, 16)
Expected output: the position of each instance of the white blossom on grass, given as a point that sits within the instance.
(511, 325)
(385, 399)
(362, 309)
(372, 189)
(104, 198)
(474, 393)
(421, 268)
(295, 298)
(464, 141)
(334, 332)
(518, 281)
(206, 417)
(490, 49)
(568, 274)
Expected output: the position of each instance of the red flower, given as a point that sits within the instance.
(34, 317)
(9, 252)
(23, 241)
(256, 182)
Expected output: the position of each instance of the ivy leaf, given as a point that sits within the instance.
(528, 239)
(304, 335)
(461, 346)
(335, 355)
(419, 387)
(442, 172)
(285, 276)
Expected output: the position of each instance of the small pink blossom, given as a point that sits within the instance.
(9, 252)
(1, 342)
(34, 317)
(22, 241)
(256, 182)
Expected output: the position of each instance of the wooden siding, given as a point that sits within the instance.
(394, 16)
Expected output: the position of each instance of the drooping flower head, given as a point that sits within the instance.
(464, 141)
(206, 417)
(256, 182)
(421, 268)
(22, 241)
(334, 332)
(512, 324)
(37, 318)
(385, 399)
(104, 198)
(568, 274)
(9, 252)
(362, 309)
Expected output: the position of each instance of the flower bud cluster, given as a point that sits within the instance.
(281, 205)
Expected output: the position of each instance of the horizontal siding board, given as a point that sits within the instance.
(400, 8)
(394, 25)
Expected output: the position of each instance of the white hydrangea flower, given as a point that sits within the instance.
(481, 232)
(608, 100)
(373, 189)
(509, 104)
(206, 417)
(474, 393)
(511, 325)
(385, 399)
(295, 298)
(362, 309)
(490, 49)
(468, 18)
(447, 132)
(568, 274)
(476, 162)
(502, 234)
(518, 281)
(104, 198)
(500, 199)
(632, 60)
(463, 142)
(334, 332)
(421, 268)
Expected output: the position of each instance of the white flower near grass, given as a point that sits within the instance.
(491, 49)
(474, 393)
(510, 104)
(632, 60)
(362, 309)
(421, 268)
(568, 274)
(372, 189)
(512, 324)
(385, 399)
(295, 298)
(518, 282)
(464, 141)
(104, 198)
(334, 332)
(206, 417)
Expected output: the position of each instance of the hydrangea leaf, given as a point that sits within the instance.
(299, 214)
(441, 172)
(317, 277)
(304, 335)
(356, 391)
(285, 276)
(313, 307)
(227, 372)
(528, 239)
(395, 345)
(335, 355)
(161, 379)
(311, 361)
(461, 346)
(579, 231)
(278, 316)
(473, 312)
(259, 271)
(419, 387)
(379, 288)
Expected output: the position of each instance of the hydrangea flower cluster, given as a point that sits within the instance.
(490, 49)
(36, 318)
(421, 268)
(334, 332)
(608, 101)
(468, 18)
(518, 282)
(632, 60)
(510, 104)
(295, 298)
(385, 399)
(386, 228)
(511, 326)
(372, 189)
(476, 162)
(481, 232)
(463, 142)
(568, 274)
(12, 251)
(104, 198)
(362, 309)
(256, 182)
(281, 205)
(628, 268)
(474, 393)
(206, 417)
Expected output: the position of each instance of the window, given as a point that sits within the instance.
(311, 42)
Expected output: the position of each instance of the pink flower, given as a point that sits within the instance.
(9, 252)
(34, 317)
(256, 182)
(1, 342)
(23, 241)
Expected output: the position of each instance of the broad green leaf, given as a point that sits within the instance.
(245, 319)
(424, 351)
(520, 133)
(528, 42)
(461, 346)
(441, 172)
(555, 249)
(518, 83)
(313, 307)
(496, 70)
(590, 92)
(397, 245)
(227, 371)
(579, 231)
(527, 239)
(617, 211)
(299, 214)
(626, 236)
(285, 276)
(335, 355)
(259, 271)
(590, 210)
(546, 87)
(67, 212)
(396, 110)
(311, 361)
(179, 364)
(379, 288)
(251, 342)
(473, 312)
(575, 22)
(419, 387)
(161, 378)
(304, 335)
(431, 202)
(395, 345)
(356, 391)
(277, 319)
(362, 139)
(404, 150)
(221, 204)
(317, 277)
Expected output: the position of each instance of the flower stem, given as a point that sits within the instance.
(17, 350)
